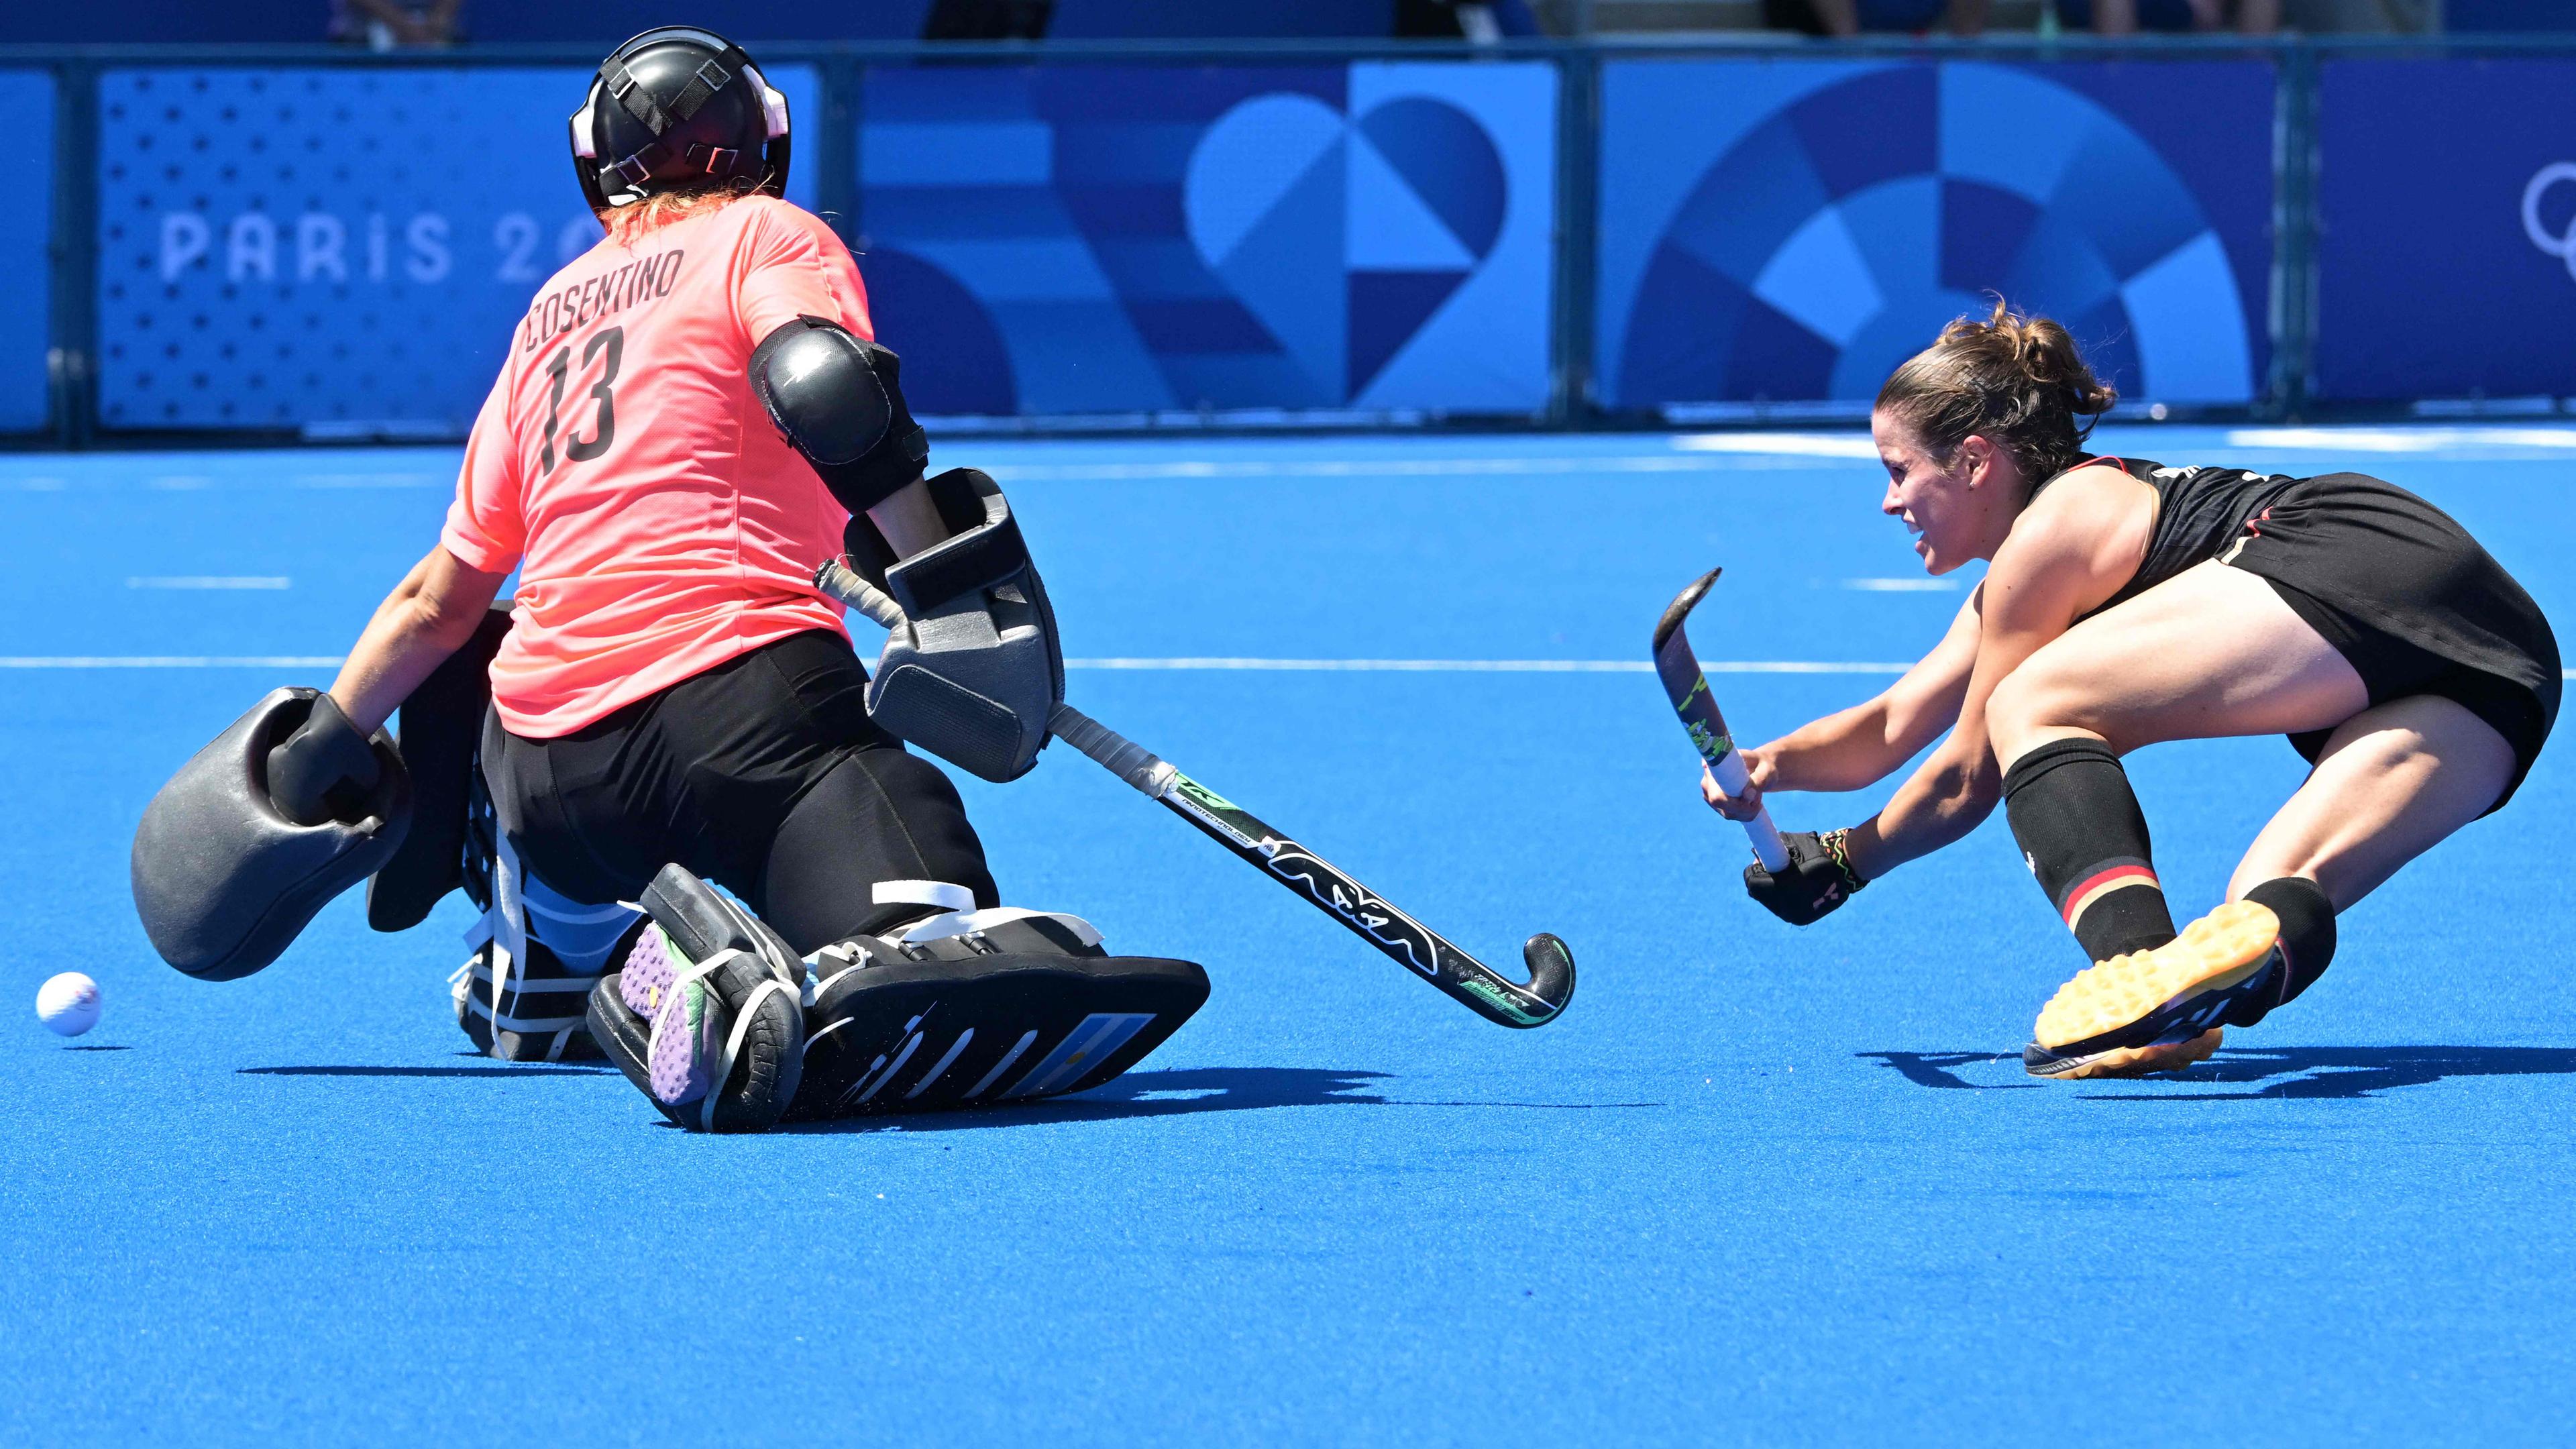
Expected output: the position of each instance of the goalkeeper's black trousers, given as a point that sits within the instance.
(763, 774)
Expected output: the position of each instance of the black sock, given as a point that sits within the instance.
(2081, 833)
(2307, 938)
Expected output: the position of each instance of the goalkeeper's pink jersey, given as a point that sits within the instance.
(659, 524)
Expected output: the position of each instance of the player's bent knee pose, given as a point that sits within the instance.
(2127, 603)
(690, 416)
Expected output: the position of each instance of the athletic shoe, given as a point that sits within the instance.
(646, 978)
(2168, 997)
(2143, 1061)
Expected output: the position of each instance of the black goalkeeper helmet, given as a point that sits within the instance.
(673, 109)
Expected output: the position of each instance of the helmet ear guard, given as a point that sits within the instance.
(673, 107)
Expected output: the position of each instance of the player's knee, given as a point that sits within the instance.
(879, 814)
(2027, 702)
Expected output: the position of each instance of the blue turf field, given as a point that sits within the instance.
(1757, 1185)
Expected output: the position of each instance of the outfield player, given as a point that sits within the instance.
(2126, 603)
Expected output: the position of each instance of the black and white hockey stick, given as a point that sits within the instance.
(1402, 938)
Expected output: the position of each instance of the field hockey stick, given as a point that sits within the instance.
(1687, 688)
(1400, 937)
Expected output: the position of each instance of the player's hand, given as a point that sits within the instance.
(1817, 879)
(325, 770)
(1757, 773)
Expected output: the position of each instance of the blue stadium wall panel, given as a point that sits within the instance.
(604, 23)
(332, 249)
(1199, 19)
(1788, 231)
(26, 243)
(163, 22)
(1089, 239)
(2446, 255)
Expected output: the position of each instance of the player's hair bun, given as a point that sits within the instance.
(2017, 381)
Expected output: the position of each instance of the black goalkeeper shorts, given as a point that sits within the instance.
(764, 774)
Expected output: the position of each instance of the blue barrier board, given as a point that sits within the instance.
(333, 250)
(2446, 213)
(1085, 239)
(26, 243)
(1788, 231)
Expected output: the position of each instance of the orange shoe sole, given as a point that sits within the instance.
(2218, 951)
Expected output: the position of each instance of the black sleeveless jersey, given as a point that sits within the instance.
(2200, 514)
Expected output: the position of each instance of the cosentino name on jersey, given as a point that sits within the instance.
(641, 280)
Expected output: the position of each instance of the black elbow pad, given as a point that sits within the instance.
(839, 401)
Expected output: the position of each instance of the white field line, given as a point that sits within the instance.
(211, 581)
(170, 661)
(1736, 455)
(2400, 440)
(1810, 445)
(1179, 665)
(1398, 467)
(1488, 666)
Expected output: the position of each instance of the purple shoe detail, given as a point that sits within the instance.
(688, 1034)
(646, 980)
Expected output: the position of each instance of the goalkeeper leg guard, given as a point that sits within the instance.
(978, 1007)
(717, 1045)
(536, 955)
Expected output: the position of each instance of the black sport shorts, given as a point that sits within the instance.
(763, 774)
(2415, 604)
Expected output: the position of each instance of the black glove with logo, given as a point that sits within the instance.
(1817, 879)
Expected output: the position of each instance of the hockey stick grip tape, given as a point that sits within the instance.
(837, 580)
(1767, 846)
(1115, 753)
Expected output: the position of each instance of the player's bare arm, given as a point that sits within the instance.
(428, 616)
(1854, 748)
(2050, 568)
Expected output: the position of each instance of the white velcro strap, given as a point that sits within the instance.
(733, 1049)
(959, 923)
(923, 893)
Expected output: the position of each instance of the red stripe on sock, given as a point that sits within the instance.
(2116, 877)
